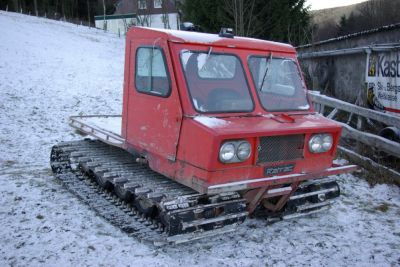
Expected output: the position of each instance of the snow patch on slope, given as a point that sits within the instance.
(51, 70)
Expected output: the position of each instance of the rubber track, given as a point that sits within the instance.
(108, 160)
(110, 208)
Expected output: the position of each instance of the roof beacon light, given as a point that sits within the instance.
(226, 32)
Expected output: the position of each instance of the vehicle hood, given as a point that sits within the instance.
(267, 124)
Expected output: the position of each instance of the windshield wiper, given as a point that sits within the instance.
(266, 71)
(205, 61)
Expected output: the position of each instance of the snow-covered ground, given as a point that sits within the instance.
(50, 70)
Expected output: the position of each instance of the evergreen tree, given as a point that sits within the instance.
(279, 20)
(206, 13)
(343, 24)
(70, 10)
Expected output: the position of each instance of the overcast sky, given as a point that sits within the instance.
(320, 4)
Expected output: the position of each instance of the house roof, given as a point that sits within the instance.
(210, 39)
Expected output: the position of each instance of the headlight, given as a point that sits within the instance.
(327, 142)
(227, 152)
(243, 151)
(235, 151)
(320, 143)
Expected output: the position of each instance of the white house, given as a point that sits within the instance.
(118, 24)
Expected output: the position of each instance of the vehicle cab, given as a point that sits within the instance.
(218, 114)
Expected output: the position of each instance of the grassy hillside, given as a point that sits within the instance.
(326, 21)
(333, 14)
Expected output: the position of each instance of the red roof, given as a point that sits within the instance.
(209, 39)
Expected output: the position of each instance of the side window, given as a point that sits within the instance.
(151, 72)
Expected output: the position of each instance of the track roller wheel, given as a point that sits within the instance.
(103, 182)
(123, 193)
(146, 207)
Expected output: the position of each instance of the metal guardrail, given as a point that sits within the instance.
(369, 139)
(364, 112)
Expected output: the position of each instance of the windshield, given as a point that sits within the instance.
(279, 84)
(216, 82)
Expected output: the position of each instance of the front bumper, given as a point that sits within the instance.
(277, 180)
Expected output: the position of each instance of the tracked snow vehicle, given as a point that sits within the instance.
(214, 128)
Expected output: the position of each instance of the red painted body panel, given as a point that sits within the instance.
(204, 155)
(152, 122)
(179, 143)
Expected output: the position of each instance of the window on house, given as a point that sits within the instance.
(142, 4)
(151, 72)
(157, 3)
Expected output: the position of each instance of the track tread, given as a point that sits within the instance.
(75, 162)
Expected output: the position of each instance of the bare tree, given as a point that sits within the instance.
(243, 14)
(299, 34)
(104, 17)
(165, 15)
(327, 30)
(56, 10)
(143, 15)
(369, 12)
(369, 15)
(16, 5)
(88, 10)
(36, 7)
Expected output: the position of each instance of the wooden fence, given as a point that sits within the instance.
(321, 102)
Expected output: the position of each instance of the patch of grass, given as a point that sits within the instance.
(9, 163)
(103, 233)
(384, 207)
(252, 226)
(79, 133)
(374, 177)
(207, 247)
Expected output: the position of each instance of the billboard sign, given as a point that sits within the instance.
(383, 81)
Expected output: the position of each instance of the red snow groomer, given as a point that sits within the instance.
(213, 128)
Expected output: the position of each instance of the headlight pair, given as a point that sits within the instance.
(320, 143)
(234, 151)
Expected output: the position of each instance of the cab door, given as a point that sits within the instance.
(154, 113)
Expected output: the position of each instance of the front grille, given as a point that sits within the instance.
(280, 148)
